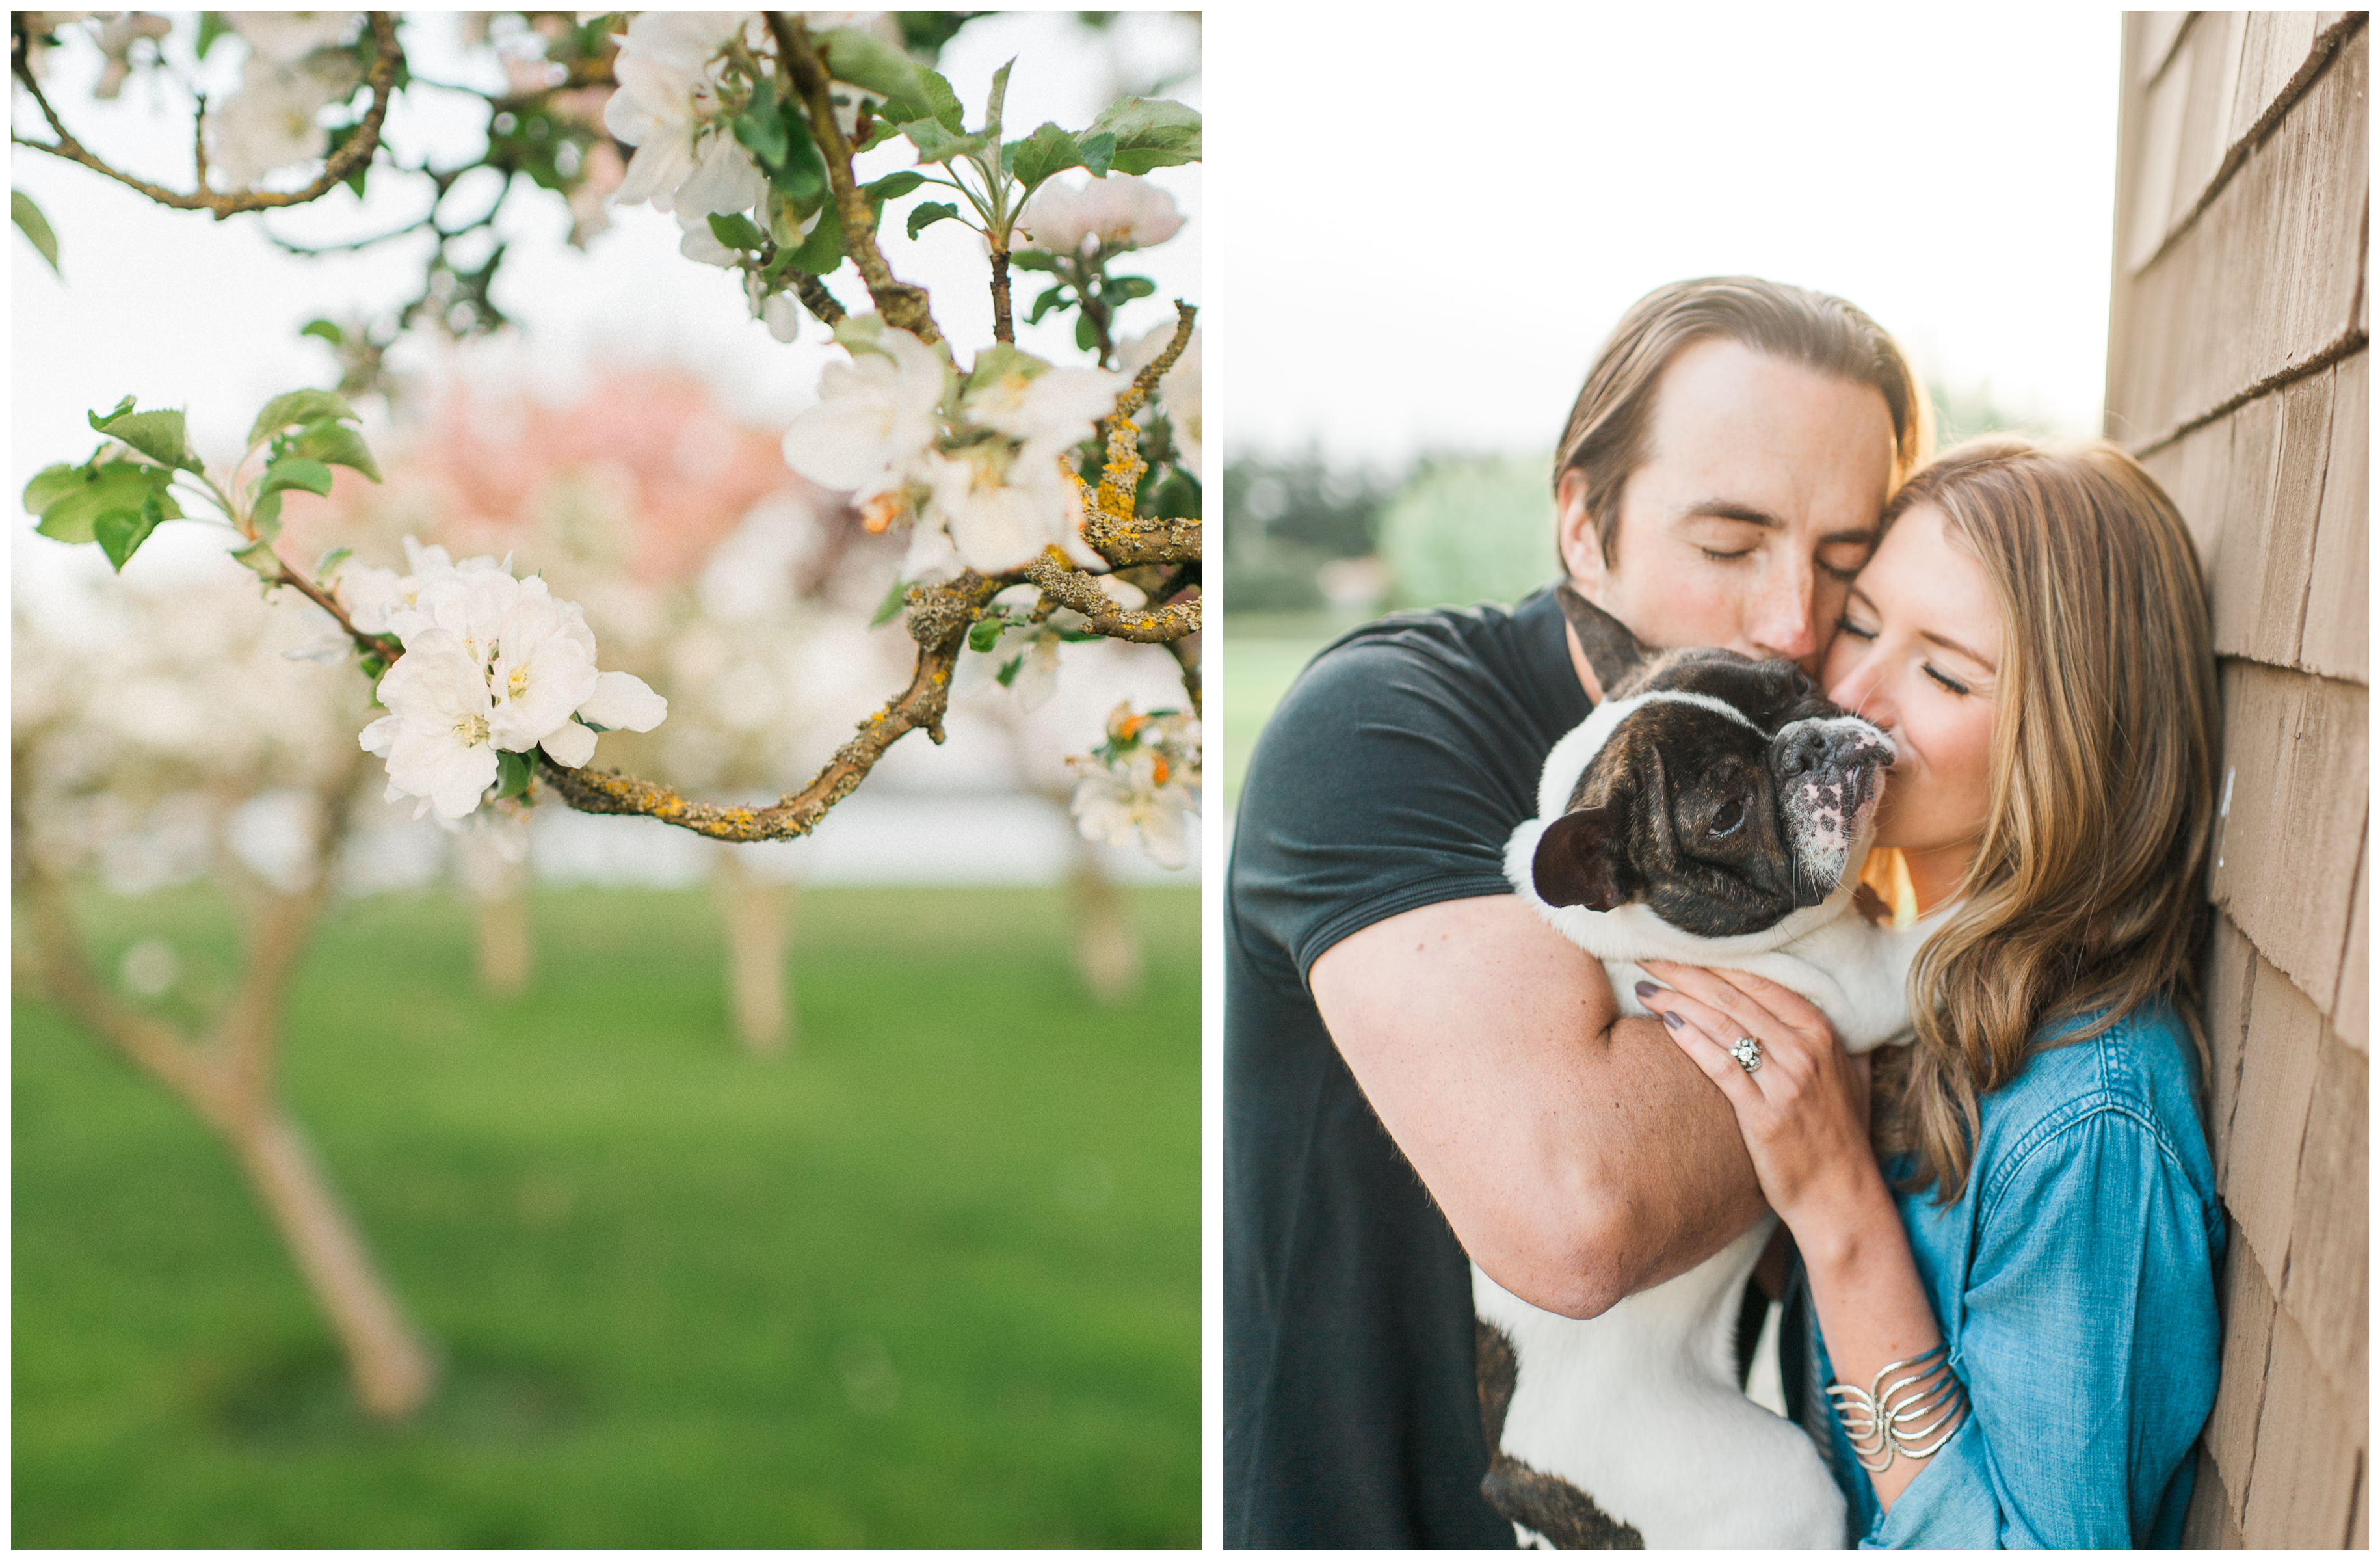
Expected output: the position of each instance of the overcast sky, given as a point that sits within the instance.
(1429, 219)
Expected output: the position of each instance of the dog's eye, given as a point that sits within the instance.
(1727, 821)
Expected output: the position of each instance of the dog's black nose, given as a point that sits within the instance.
(1804, 752)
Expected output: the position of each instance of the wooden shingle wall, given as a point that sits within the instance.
(2238, 371)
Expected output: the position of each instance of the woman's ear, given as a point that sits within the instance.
(1581, 551)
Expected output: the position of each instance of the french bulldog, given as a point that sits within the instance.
(1716, 811)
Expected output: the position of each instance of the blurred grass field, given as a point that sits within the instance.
(932, 1280)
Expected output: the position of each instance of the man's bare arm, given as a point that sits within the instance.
(1579, 1156)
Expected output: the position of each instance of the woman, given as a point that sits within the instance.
(2017, 1311)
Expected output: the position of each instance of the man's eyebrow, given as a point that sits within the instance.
(1728, 509)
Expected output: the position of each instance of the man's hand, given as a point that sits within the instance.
(1579, 1157)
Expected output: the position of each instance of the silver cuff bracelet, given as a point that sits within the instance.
(1910, 1402)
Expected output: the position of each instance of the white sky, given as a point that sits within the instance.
(1429, 219)
(183, 312)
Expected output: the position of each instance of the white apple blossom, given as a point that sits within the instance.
(491, 664)
(287, 37)
(876, 415)
(1119, 211)
(269, 122)
(436, 735)
(543, 670)
(667, 107)
(1143, 781)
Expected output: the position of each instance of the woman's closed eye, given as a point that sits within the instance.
(1855, 630)
(1946, 680)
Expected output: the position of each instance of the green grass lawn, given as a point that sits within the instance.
(931, 1280)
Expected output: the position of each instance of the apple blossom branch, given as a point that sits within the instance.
(901, 303)
(341, 165)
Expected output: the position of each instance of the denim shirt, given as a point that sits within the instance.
(2074, 1281)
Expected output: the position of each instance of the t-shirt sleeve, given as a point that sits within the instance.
(1389, 778)
(2090, 1350)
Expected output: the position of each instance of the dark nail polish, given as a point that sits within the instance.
(1673, 1020)
(1646, 991)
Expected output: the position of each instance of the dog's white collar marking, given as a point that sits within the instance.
(1571, 756)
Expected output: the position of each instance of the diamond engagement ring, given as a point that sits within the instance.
(1747, 1052)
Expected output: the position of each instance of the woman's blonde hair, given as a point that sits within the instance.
(2085, 894)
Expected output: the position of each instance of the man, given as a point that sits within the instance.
(1416, 1066)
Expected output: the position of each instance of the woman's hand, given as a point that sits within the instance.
(1804, 1111)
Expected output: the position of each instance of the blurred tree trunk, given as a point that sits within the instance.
(755, 915)
(499, 890)
(1107, 944)
(229, 1077)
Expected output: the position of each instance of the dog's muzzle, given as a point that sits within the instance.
(1829, 773)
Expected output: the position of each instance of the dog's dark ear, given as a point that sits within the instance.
(1610, 649)
(1580, 860)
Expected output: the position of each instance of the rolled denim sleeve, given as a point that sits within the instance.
(2087, 1338)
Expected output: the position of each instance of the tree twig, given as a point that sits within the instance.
(939, 618)
(899, 303)
(340, 165)
(1144, 625)
(1004, 325)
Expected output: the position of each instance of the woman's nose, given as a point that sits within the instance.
(1861, 690)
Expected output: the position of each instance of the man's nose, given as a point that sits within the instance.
(1782, 623)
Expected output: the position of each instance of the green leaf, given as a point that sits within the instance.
(1009, 669)
(1054, 298)
(738, 231)
(1149, 133)
(259, 557)
(761, 129)
(801, 176)
(337, 444)
(823, 250)
(159, 436)
(513, 773)
(298, 406)
(890, 608)
(49, 485)
(1086, 336)
(1128, 288)
(869, 62)
(120, 533)
(212, 26)
(881, 130)
(71, 500)
(266, 516)
(36, 227)
(330, 561)
(1098, 151)
(926, 214)
(1031, 259)
(941, 100)
(1047, 150)
(327, 331)
(936, 144)
(985, 633)
(992, 108)
(891, 187)
(294, 471)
